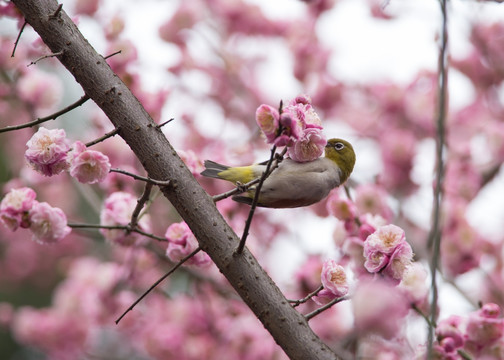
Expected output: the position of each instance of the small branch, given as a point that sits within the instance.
(17, 39)
(142, 178)
(45, 57)
(172, 270)
(70, 107)
(140, 204)
(264, 175)
(295, 303)
(461, 352)
(434, 241)
(236, 190)
(314, 313)
(164, 123)
(420, 312)
(116, 227)
(104, 137)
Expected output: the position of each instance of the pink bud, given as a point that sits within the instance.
(182, 242)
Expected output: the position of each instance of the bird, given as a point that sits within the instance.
(292, 184)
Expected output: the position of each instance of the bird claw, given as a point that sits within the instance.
(241, 187)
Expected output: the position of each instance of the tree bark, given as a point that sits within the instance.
(287, 326)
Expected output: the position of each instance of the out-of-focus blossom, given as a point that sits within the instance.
(182, 242)
(86, 7)
(192, 161)
(343, 209)
(378, 308)
(334, 278)
(175, 29)
(309, 147)
(42, 90)
(47, 151)
(60, 335)
(15, 207)
(414, 284)
(484, 327)
(117, 210)
(128, 54)
(48, 224)
(386, 249)
(372, 199)
(88, 166)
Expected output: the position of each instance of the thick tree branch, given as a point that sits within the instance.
(103, 86)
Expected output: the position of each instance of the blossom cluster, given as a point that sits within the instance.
(298, 127)
(19, 209)
(49, 153)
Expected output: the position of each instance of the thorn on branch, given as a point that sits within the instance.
(57, 13)
(45, 57)
(142, 178)
(70, 107)
(172, 270)
(104, 137)
(164, 123)
(17, 38)
(115, 53)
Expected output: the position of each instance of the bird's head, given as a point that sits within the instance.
(342, 153)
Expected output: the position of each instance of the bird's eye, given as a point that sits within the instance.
(339, 146)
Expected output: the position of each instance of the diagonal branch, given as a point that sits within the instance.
(287, 326)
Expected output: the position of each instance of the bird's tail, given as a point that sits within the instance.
(212, 169)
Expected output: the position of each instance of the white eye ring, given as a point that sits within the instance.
(339, 146)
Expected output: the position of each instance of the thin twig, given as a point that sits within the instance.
(45, 57)
(116, 227)
(70, 107)
(236, 190)
(321, 309)
(142, 178)
(164, 123)
(140, 204)
(264, 175)
(420, 312)
(434, 241)
(177, 265)
(104, 137)
(17, 39)
(295, 303)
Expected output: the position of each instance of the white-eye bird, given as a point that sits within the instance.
(292, 184)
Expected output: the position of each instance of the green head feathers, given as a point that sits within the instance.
(342, 153)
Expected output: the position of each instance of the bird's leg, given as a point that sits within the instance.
(241, 187)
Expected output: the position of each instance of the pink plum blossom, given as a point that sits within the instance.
(117, 210)
(387, 249)
(182, 242)
(343, 209)
(15, 207)
(334, 278)
(48, 224)
(88, 166)
(485, 327)
(47, 151)
(309, 147)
